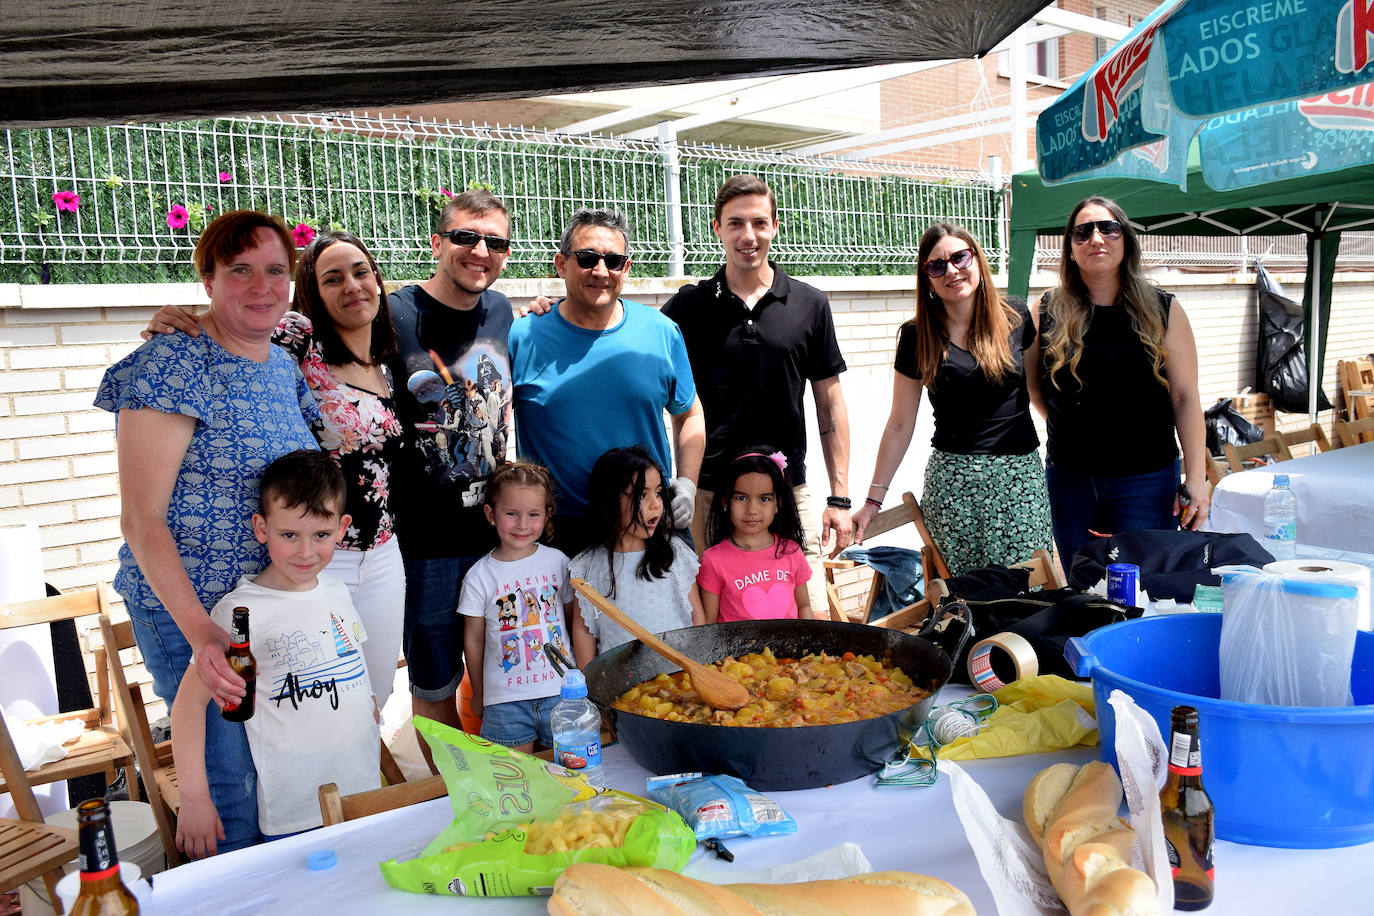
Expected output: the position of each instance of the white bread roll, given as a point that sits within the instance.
(600, 890)
(1087, 847)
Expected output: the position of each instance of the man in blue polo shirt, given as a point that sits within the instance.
(756, 337)
(597, 373)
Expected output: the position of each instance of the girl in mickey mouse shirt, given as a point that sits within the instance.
(755, 568)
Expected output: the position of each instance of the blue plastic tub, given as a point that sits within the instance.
(1279, 775)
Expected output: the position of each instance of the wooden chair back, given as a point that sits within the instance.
(28, 846)
(1357, 382)
(1313, 434)
(1236, 456)
(1353, 432)
(100, 748)
(932, 561)
(336, 809)
(154, 760)
(1214, 470)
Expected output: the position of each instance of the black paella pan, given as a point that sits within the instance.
(768, 759)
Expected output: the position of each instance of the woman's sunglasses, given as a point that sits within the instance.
(466, 238)
(1111, 230)
(587, 258)
(936, 267)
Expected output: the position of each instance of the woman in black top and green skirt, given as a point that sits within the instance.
(1118, 381)
(968, 347)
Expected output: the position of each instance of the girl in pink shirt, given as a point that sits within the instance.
(755, 568)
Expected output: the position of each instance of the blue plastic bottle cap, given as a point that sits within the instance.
(321, 860)
(1280, 480)
(574, 685)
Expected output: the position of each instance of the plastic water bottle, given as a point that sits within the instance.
(1281, 520)
(577, 730)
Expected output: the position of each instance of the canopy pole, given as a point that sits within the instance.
(1016, 54)
(1314, 346)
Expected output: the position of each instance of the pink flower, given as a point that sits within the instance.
(209, 209)
(225, 178)
(302, 235)
(67, 200)
(446, 192)
(177, 217)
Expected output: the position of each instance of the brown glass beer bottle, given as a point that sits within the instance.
(102, 891)
(241, 660)
(1189, 819)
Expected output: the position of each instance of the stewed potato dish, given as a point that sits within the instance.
(811, 690)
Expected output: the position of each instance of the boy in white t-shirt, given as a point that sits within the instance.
(315, 719)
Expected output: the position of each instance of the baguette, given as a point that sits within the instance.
(1072, 813)
(600, 890)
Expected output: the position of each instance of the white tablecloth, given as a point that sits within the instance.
(1335, 492)
(906, 829)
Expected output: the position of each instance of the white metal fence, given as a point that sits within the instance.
(140, 194)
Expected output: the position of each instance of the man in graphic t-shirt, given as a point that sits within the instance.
(452, 395)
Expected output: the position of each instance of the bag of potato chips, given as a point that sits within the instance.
(518, 821)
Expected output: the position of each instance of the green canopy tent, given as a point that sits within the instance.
(1319, 207)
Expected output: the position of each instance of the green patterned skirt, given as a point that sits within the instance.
(986, 509)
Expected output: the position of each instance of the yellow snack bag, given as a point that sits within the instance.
(518, 821)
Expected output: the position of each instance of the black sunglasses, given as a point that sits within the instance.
(1111, 230)
(936, 267)
(468, 239)
(587, 258)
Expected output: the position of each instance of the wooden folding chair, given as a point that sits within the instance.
(336, 808)
(154, 760)
(1353, 432)
(28, 846)
(1357, 381)
(1236, 456)
(932, 561)
(1314, 434)
(100, 748)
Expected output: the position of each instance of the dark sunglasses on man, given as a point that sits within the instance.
(466, 238)
(1111, 230)
(936, 267)
(586, 259)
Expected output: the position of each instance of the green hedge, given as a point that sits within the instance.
(388, 189)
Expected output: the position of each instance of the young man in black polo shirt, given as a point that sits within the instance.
(755, 337)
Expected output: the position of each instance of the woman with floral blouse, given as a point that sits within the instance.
(339, 331)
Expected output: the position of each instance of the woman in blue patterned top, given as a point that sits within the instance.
(198, 419)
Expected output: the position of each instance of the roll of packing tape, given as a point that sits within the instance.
(998, 660)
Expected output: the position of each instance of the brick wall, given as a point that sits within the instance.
(57, 466)
(57, 463)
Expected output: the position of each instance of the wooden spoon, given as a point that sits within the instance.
(716, 689)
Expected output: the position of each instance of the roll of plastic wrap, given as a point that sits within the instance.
(1338, 571)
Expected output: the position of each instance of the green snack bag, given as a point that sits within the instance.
(518, 821)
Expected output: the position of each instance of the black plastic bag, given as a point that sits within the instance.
(1172, 563)
(1225, 424)
(994, 600)
(1281, 364)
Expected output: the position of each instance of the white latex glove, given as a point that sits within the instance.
(684, 502)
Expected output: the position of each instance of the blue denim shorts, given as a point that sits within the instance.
(519, 722)
(432, 636)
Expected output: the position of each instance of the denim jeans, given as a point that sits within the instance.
(432, 637)
(228, 762)
(1108, 505)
